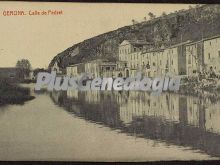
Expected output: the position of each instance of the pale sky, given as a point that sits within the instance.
(40, 38)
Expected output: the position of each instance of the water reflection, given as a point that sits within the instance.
(175, 119)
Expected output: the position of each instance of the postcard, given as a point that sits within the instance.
(109, 82)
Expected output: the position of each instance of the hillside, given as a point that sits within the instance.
(191, 24)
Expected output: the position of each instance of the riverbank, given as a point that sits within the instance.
(13, 94)
(206, 88)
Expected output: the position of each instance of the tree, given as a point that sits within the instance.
(164, 14)
(190, 7)
(24, 66)
(37, 70)
(151, 15)
(134, 22)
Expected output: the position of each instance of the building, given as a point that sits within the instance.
(12, 74)
(72, 70)
(175, 57)
(58, 69)
(130, 51)
(131, 46)
(194, 58)
(99, 68)
(134, 62)
(122, 68)
(108, 69)
(212, 53)
(94, 67)
(171, 55)
(75, 69)
(146, 57)
(155, 65)
(153, 62)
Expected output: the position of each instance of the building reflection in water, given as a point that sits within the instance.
(174, 119)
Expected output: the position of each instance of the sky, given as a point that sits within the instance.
(39, 38)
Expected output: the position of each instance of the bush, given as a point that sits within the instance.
(13, 94)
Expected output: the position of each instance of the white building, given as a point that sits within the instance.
(212, 53)
(56, 68)
(131, 53)
(72, 70)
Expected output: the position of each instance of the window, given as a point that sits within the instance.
(172, 62)
(12, 76)
(160, 62)
(210, 43)
(218, 54)
(209, 56)
(189, 60)
(154, 64)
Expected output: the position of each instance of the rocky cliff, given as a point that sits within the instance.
(192, 24)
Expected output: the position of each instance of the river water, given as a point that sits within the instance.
(110, 126)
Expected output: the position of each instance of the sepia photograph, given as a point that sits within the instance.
(109, 82)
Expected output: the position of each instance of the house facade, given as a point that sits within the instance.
(175, 59)
(212, 53)
(108, 69)
(72, 70)
(153, 61)
(131, 53)
(57, 69)
(194, 58)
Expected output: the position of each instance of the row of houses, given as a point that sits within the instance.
(186, 58)
(99, 68)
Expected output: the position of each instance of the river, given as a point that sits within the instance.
(110, 126)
